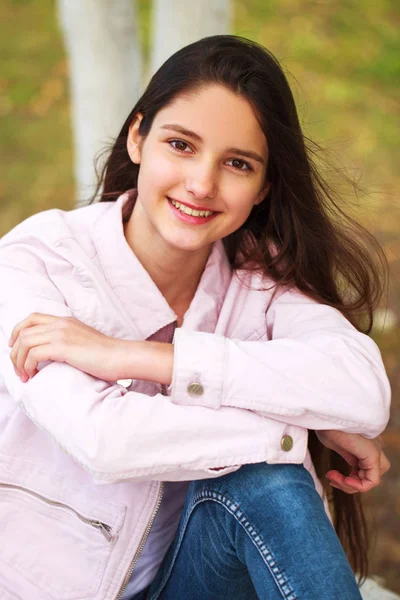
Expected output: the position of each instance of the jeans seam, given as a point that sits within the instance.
(257, 539)
(234, 509)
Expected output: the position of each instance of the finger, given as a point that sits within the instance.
(384, 463)
(333, 475)
(338, 478)
(22, 351)
(28, 322)
(344, 488)
(370, 465)
(33, 319)
(14, 357)
(28, 339)
(32, 359)
(362, 485)
(349, 483)
(20, 361)
(362, 474)
(371, 475)
(37, 355)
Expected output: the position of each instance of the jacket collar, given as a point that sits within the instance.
(136, 290)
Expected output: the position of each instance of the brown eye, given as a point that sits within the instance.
(179, 145)
(240, 165)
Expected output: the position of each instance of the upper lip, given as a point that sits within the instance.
(191, 205)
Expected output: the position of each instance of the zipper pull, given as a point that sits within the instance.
(105, 530)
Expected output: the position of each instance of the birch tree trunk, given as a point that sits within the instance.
(176, 23)
(102, 45)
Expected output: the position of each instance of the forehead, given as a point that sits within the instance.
(218, 115)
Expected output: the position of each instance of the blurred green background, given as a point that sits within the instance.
(343, 62)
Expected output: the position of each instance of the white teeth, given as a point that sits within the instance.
(190, 211)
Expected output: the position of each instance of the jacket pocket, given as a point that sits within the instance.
(60, 547)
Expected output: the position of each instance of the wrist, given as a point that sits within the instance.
(149, 361)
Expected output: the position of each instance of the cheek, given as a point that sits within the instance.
(241, 204)
(157, 172)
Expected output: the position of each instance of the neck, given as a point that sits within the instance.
(176, 272)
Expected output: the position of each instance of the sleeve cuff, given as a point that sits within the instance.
(197, 378)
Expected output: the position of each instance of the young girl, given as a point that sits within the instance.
(166, 350)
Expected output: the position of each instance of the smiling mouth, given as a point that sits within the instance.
(190, 211)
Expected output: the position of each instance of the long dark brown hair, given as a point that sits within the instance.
(320, 250)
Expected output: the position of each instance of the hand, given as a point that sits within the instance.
(43, 337)
(364, 455)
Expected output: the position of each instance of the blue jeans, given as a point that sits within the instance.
(260, 532)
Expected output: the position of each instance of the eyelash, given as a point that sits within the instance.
(246, 170)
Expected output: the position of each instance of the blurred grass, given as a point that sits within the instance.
(343, 63)
(35, 136)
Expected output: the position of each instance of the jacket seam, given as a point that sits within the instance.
(272, 410)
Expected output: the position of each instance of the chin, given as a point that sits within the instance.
(186, 245)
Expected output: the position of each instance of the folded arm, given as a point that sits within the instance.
(316, 371)
(116, 434)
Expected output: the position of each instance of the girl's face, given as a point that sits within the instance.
(206, 152)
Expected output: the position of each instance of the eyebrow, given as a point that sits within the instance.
(195, 136)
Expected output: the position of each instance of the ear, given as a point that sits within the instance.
(263, 193)
(134, 140)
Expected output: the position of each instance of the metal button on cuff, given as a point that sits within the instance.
(287, 443)
(195, 389)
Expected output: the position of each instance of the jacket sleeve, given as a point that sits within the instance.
(118, 434)
(314, 370)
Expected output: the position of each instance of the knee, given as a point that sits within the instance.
(274, 477)
(285, 489)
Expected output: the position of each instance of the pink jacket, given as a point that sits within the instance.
(302, 366)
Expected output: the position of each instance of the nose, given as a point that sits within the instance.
(201, 181)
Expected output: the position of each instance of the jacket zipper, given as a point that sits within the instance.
(155, 511)
(142, 543)
(105, 529)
